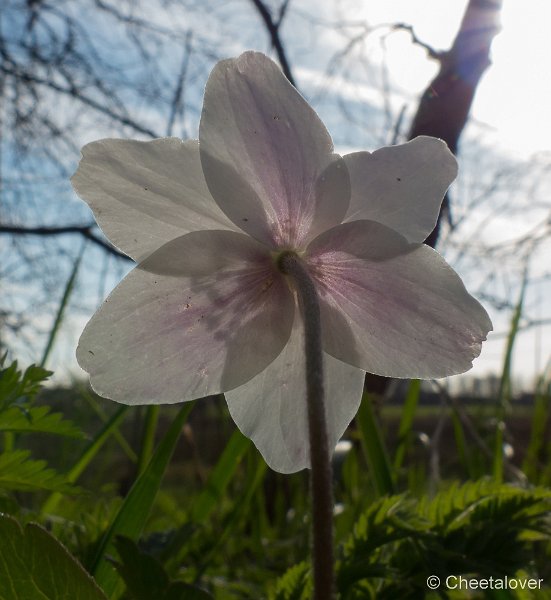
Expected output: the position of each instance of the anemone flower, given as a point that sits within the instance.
(208, 309)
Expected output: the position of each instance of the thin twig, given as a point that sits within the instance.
(84, 230)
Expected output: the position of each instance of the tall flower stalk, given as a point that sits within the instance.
(320, 457)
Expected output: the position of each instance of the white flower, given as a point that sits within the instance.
(206, 309)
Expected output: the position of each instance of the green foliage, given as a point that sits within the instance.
(406, 422)
(539, 448)
(295, 584)
(37, 419)
(479, 528)
(17, 392)
(87, 456)
(146, 579)
(374, 447)
(19, 388)
(230, 529)
(21, 473)
(220, 476)
(33, 564)
(504, 392)
(131, 517)
(18, 471)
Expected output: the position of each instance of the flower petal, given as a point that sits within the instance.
(402, 186)
(271, 408)
(268, 159)
(195, 318)
(144, 194)
(393, 308)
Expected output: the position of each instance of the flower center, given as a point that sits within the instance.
(282, 257)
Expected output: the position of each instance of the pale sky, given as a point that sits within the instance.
(514, 95)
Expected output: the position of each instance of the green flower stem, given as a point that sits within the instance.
(321, 477)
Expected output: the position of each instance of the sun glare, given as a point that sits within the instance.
(515, 94)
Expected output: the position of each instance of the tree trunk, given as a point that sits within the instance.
(445, 104)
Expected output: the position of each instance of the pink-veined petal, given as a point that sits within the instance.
(393, 308)
(267, 157)
(271, 408)
(144, 194)
(203, 314)
(402, 186)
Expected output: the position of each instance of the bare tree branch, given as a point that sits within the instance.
(73, 92)
(83, 230)
(435, 54)
(273, 29)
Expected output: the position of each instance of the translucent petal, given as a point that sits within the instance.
(203, 314)
(394, 308)
(401, 186)
(268, 159)
(144, 194)
(271, 408)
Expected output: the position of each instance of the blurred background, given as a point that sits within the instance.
(378, 72)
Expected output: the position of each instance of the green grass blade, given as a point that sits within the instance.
(255, 478)
(540, 421)
(406, 422)
(9, 441)
(132, 515)
(374, 448)
(220, 476)
(116, 433)
(504, 394)
(148, 439)
(461, 443)
(69, 286)
(87, 456)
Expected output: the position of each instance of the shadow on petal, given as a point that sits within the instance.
(203, 314)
